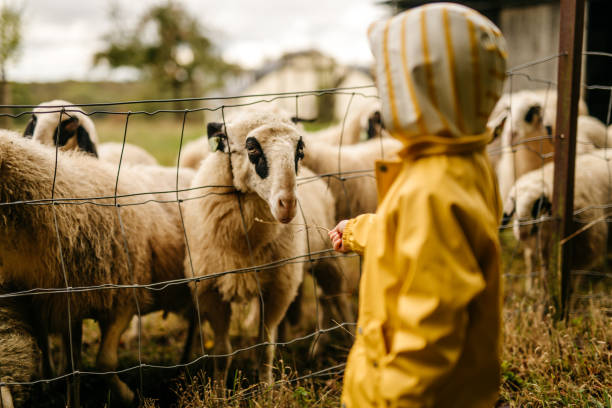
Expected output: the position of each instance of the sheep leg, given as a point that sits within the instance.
(42, 338)
(218, 313)
(191, 333)
(276, 306)
(107, 359)
(529, 278)
(74, 347)
(5, 397)
(335, 302)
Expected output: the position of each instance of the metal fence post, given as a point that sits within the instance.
(568, 94)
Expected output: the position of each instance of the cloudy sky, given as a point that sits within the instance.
(61, 36)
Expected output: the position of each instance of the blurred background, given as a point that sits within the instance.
(109, 51)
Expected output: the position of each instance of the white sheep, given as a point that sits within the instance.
(20, 356)
(194, 152)
(93, 250)
(257, 159)
(360, 124)
(132, 154)
(530, 203)
(73, 129)
(349, 172)
(60, 123)
(526, 132)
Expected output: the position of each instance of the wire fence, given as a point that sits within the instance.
(523, 147)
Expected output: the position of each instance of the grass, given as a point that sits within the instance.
(159, 135)
(544, 363)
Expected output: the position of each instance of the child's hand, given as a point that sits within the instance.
(335, 235)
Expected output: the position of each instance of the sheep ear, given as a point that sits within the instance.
(497, 130)
(216, 136)
(85, 143)
(374, 122)
(507, 217)
(549, 130)
(29, 130)
(534, 115)
(541, 206)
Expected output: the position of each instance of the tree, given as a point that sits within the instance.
(10, 40)
(168, 47)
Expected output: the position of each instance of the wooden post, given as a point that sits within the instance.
(568, 94)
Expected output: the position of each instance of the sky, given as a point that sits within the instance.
(60, 37)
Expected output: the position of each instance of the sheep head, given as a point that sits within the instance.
(265, 149)
(67, 127)
(525, 112)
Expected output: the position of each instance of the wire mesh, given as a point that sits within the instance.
(515, 139)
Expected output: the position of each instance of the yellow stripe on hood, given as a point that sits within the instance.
(437, 67)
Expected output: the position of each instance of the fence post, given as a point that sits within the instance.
(568, 94)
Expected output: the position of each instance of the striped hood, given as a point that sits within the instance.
(440, 70)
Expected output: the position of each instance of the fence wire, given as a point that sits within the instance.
(514, 140)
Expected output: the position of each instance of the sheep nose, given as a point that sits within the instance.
(286, 203)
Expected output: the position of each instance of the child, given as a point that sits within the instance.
(429, 310)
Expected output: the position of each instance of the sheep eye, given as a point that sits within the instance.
(299, 153)
(29, 130)
(253, 149)
(257, 157)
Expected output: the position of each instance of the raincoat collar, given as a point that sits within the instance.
(426, 145)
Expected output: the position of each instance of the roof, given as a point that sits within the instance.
(480, 5)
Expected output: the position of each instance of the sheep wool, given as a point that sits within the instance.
(355, 191)
(83, 245)
(20, 357)
(132, 154)
(253, 188)
(531, 198)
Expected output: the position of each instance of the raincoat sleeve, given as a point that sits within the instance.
(437, 275)
(356, 232)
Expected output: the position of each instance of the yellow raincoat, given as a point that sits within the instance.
(429, 310)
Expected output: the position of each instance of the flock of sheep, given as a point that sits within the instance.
(522, 154)
(108, 222)
(99, 219)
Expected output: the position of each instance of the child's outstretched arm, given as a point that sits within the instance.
(351, 235)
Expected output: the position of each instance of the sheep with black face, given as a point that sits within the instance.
(529, 203)
(244, 220)
(60, 123)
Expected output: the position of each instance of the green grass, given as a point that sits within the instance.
(159, 135)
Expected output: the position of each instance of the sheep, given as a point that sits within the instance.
(355, 191)
(20, 356)
(257, 159)
(132, 154)
(60, 123)
(591, 134)
(194, 152)
(74, 130)
(91, 249)
(363, 124)
(525, 134)
(530, 200)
